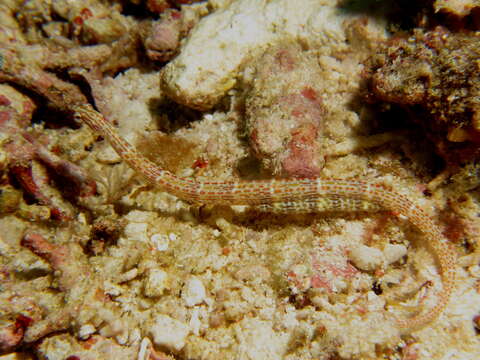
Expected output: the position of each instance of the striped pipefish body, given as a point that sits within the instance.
(292, 196)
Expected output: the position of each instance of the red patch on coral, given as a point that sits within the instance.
(90, 342)
(285, 60)
(454, 227)
(318, 282)
(77, 20)
(85, 13)
(306, 104)
(176, 14)
(44, 81)
(297, 113)
(24, 176)
(309, 93)
(304, 134)
(157, 6)
(4, 117)
(302, 160)
(23, 321)
(4, 100)
(200, 164)
(348, 271)
(26, 115)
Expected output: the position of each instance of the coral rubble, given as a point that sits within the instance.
(97, 264)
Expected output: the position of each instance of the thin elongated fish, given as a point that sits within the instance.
(292, 196)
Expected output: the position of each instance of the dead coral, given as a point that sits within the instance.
(285, 112)
(74, 278)
(460, 8)
(435, 75)
(88, 22)
(28, 56)
(11, 332)
(224, 41)
(159, 6)
(23, 151)
(65, 346)
(162, 41)
(29, 59)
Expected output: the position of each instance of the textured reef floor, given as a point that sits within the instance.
(95, 263)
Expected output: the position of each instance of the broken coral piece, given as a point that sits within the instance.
(224, 41)
(460, 8)
(435, 75)
(162, 41)
(285, 112)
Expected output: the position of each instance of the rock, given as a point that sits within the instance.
(193, 292)
(224, 41)
(169, 332)
(366, 258)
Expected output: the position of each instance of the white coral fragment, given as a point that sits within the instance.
(85, 331)
(366, 258)
(227, 39)
(369, 258)
(156, 283)
(160, 241)
(169, 332)
(457, 7)
(394, 252)
(137, 232)
(193, 292)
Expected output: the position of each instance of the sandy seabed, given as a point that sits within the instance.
(97, 264)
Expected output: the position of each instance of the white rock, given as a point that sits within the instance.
(144, 351)
(160, 241)
(138, 216)
(113, 328)
(108, 156)
(193, 292)
(394, 252)
(223, 42)
(366, 258)
(134, 336)
(122, 338)
(459, 8)
(195, 322)
(169, 332)
(136, 231)
(156, 282)
(85, 331)
(128, 275)
(112, 289)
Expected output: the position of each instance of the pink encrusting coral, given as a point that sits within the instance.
(12, 334)
(326, 268)
(162, 40)
(164, 36)
(24, 152)
(285, 112)
(73, 277)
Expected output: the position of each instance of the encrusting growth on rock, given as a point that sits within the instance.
(435, 75)
(292, 196)
(285, 112)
